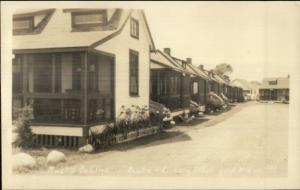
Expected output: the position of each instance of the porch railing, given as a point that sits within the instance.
(69, 111)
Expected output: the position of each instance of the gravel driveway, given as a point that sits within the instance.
(248, 141)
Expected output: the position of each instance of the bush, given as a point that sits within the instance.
(22, 128)
(129, 119)
(103, 138)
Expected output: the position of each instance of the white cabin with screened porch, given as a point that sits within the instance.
(77, 67)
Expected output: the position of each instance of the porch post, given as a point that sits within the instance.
(84, 97)
(24, 78)
(53, 57)
(168, 76)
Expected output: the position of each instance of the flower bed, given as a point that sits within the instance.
(132, 123)
(120, 138)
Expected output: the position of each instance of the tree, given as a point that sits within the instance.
(223, 69)
(23, 130)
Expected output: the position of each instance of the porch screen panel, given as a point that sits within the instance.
(93, 73)
(30, 62)
(77, 69)
(17, 74)
(178, 82)
(202, 90)
(58, 74)
(67, 77)
(105, 78)
(101, 109)
(42, 73)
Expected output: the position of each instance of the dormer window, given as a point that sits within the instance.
(25, 24)
(273, 82)
(134, 28)
(29, 23)
(89, 20)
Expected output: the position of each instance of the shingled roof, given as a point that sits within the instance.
(275, 83)
(58, 32)
(198, 71)
(242, 83)
(162, 58)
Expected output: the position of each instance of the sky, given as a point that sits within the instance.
(258, 39)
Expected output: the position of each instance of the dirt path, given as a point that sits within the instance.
(248, 141)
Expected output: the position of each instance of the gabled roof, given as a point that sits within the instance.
(242, 83)
(280, 83)
(210, 75)
(198, 71)
(219, 79)
(181, 62)
(161, 58)
(58, 31)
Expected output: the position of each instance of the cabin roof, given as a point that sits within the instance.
(245, 85)
(219, 79)
(198, 71)
(57, 35)
(161, 58)
(280, 83)
(58, 31)
(211, 77)
(180, 63)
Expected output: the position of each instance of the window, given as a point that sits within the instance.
(133, 73)
(273, 82)
(25, 24)
(134, 28)
(89, 20)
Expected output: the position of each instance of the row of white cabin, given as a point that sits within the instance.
(79, 67)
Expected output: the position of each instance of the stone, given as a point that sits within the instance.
(23, 161)
(86, 148)
(54, 157)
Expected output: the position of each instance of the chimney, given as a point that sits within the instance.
(188, 60)
(167, 51)
(201, 67)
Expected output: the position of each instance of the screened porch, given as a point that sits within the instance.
(65, 87)
(199, 90)
(170, 88)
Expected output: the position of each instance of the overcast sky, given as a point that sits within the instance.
(258, 39)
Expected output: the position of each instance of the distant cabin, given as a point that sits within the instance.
(276, 89)
(250, 89)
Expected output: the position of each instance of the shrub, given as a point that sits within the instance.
(22, 128)
(131, 119)
(104, 138)
(158, 114)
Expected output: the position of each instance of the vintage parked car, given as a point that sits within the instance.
(226, 100)
(196, 109)
(215, 102)
(160, 114)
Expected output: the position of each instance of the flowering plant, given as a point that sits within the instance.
(132, 118)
